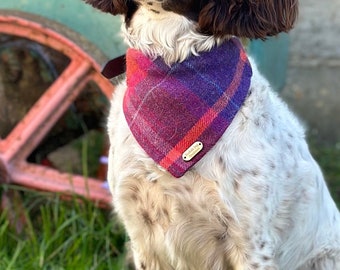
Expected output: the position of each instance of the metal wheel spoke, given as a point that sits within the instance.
(50, 107)
(47, 110)
(39, 177)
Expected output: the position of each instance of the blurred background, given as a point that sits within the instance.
(312, 86)
(313, 76)
(39, 230)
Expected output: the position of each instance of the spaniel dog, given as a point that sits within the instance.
(207, 166)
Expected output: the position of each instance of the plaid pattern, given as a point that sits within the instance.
(170, 108)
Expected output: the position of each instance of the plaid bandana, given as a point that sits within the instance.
(178, 113)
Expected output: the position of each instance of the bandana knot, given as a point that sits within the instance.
(178, 113)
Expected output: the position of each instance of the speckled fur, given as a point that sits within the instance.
(257, 200)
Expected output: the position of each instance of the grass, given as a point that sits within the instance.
(61, 235)
(66, 235)
(328, 157)
(92, 143)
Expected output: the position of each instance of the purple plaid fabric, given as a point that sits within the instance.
(168, 109)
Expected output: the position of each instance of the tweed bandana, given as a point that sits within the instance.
(178, 113)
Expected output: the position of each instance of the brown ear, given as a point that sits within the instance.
(187, 8)
(103, 5)
(113, 6)
(247, 18)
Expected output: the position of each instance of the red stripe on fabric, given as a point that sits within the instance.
(186, 142)
(206, 119)
(230, 92)
(144, 124)
(137, 66)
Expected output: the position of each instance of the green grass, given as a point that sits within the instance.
(61, 235)
(328, 157)
(72, 235)
(90, 148)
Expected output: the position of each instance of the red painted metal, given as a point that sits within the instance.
(30, 131)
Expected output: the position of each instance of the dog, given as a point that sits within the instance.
(208, 168)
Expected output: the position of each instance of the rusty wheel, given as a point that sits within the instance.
(22, 140)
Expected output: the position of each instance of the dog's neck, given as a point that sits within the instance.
(158, 33)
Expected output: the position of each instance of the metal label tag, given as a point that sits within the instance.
(192, 151)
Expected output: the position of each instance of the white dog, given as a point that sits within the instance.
(208, 168)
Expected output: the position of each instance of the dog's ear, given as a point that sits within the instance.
(247, 18)
(187, 8)
(103, 5)
(242, 18)
(124, 7)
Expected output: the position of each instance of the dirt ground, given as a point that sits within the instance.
(313, 78)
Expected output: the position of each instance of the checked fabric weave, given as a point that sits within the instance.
(168, 109)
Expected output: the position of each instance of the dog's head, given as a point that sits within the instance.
(242, 18)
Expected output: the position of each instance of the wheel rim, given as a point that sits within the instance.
(30, 131)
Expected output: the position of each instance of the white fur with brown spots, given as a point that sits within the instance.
(257, 200)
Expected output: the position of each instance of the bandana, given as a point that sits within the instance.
(178, 113)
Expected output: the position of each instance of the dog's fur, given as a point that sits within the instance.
(258, 199)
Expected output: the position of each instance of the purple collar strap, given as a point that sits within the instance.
(178, 113)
